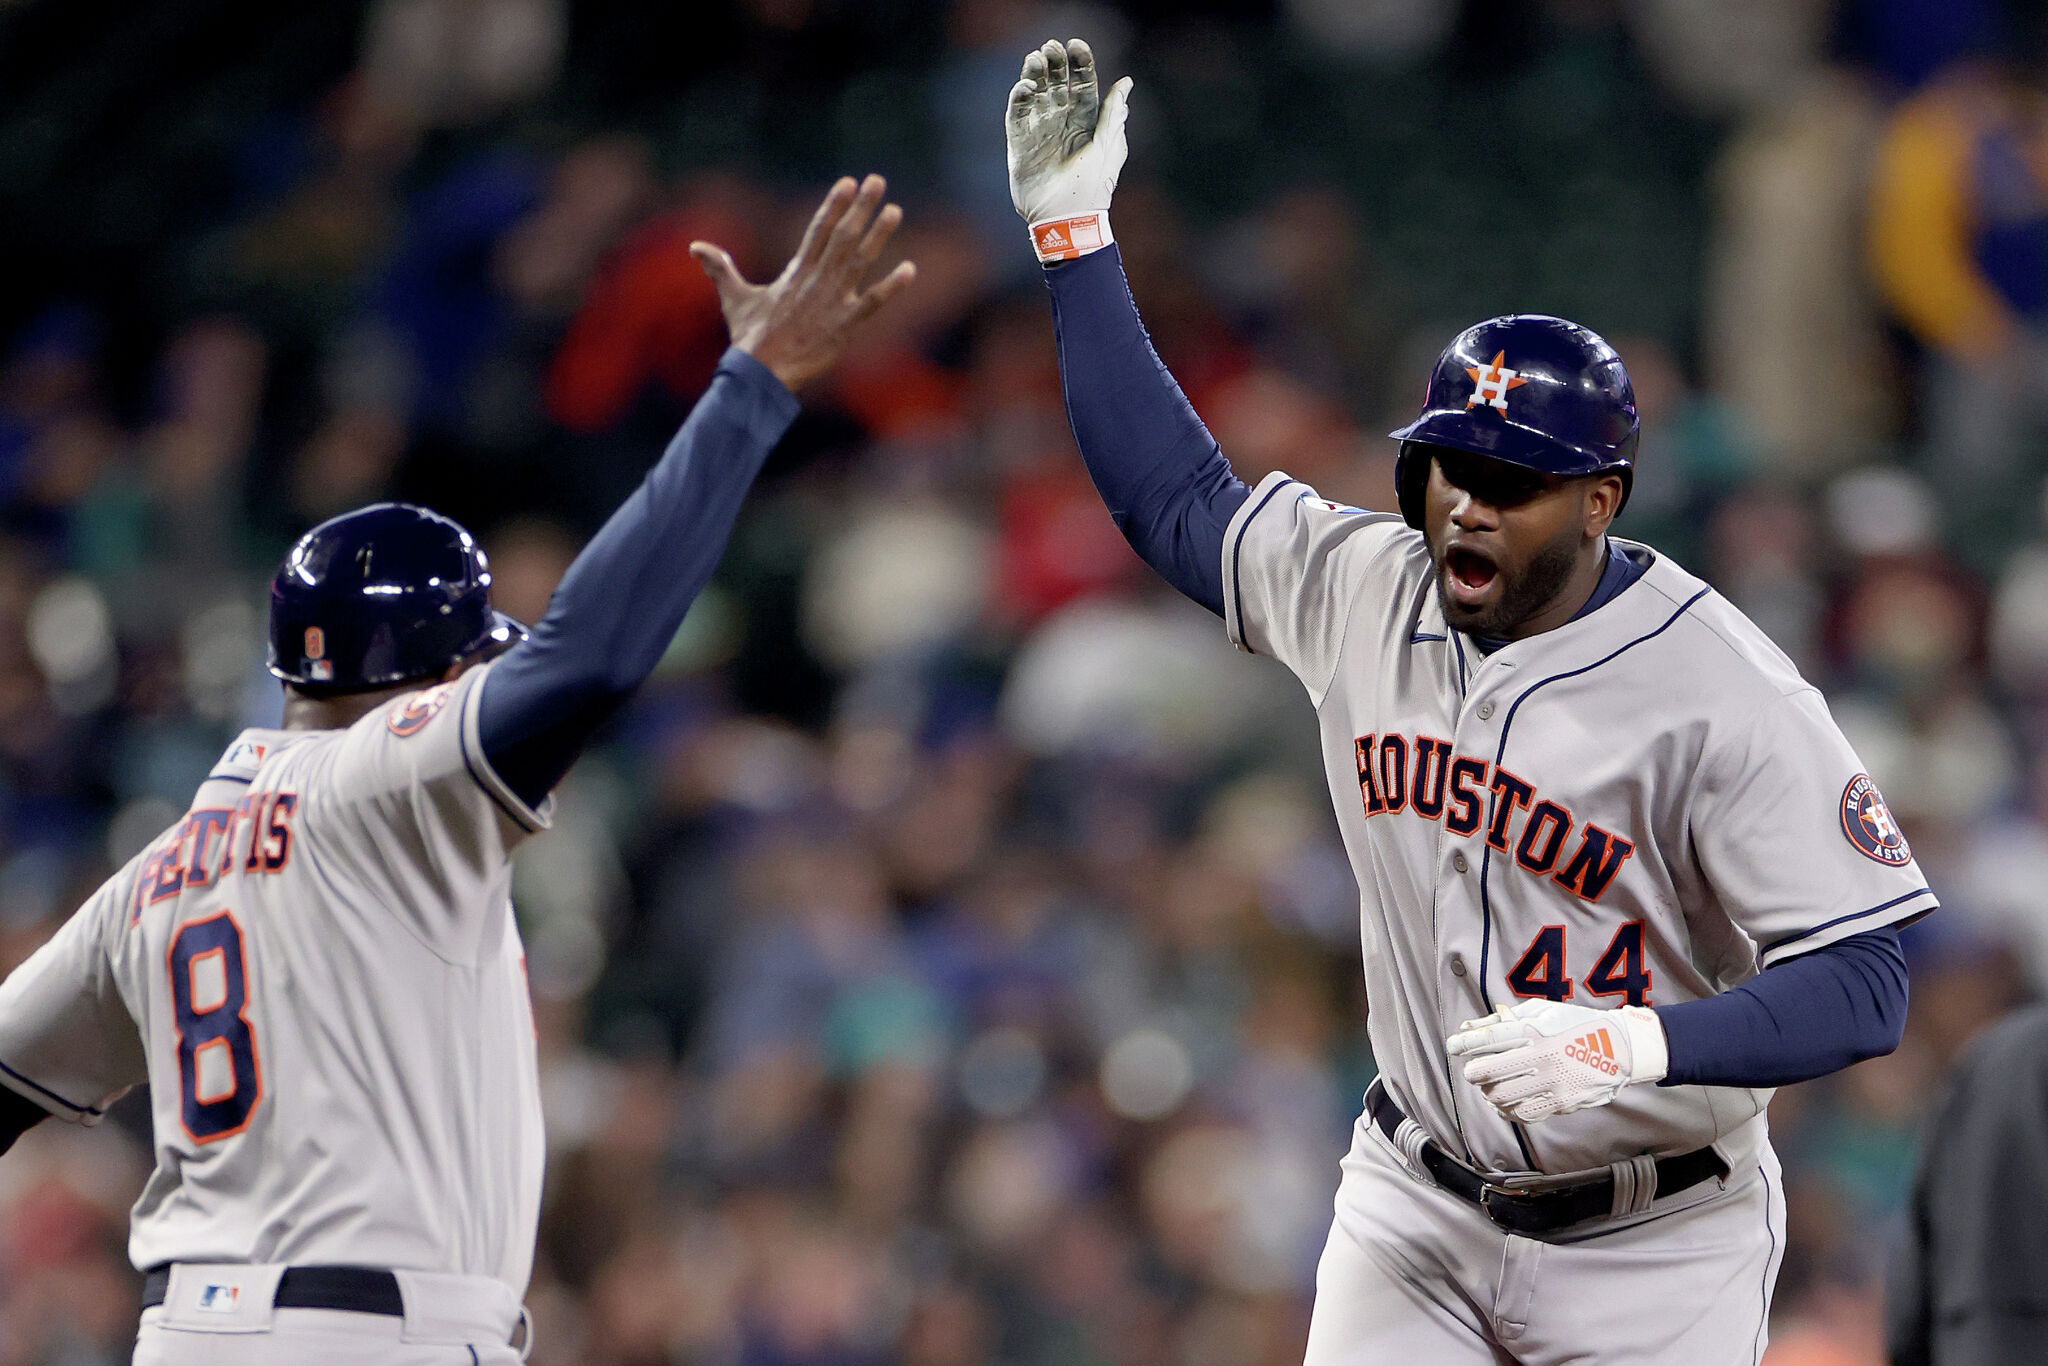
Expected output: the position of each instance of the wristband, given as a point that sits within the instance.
(1649, 1050)
(1064, 239)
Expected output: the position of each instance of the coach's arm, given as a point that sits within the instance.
(619, 605)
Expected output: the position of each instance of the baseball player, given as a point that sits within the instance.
(1620, 874)
(317, 970)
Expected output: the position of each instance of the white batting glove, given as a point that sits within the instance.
(1066, 149)
(1542, 1058)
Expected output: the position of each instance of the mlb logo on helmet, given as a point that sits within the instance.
(1870, 826)
(316, 648)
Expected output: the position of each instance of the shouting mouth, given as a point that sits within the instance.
(1469, 574)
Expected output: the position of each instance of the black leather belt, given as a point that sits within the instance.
(361, 1289)
(1544, 1211)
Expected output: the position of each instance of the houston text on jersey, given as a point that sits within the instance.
(1437, 785)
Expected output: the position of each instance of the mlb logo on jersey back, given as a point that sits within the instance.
(1870, 826)
(244, 752)
(218, 1298)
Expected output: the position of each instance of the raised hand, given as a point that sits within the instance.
(1066, 148)
(798, 325)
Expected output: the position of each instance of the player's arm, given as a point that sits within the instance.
(619, 605)
(1799, 848)
(1804, 1018)
(68, 1044)
(1159, 471)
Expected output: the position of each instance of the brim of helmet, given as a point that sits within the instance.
(1504, 440)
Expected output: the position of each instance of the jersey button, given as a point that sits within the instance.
(1457, 965)
(1458, 862)
(1486, 711)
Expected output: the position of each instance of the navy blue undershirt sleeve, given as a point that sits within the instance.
(619, 605)
(1804, 1018)
(1159, 471)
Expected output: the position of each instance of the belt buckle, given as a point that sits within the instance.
(1507, 1207)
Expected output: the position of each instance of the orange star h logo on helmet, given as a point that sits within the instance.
(1490, 383)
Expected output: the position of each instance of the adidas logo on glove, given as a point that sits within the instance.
(1595, 1050)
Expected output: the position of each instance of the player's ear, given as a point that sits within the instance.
(1603, 501)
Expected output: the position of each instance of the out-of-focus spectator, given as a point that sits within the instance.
(462, 61)
(1787, 298)
(1959, 248)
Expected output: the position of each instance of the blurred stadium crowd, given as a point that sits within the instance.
(949, 960)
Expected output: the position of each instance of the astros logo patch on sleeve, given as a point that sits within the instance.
(1868, 823)
(419, 709)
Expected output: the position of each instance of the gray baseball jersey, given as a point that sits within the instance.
(318, 974)
(1643, 806)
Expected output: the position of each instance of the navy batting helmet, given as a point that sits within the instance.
(389, 593)
(1532, 390)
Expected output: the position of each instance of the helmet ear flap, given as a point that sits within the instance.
(1411, 480)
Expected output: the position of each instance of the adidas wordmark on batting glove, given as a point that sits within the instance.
(1066, 149)
(1543, 1058)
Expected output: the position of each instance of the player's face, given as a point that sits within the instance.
(1509, 542)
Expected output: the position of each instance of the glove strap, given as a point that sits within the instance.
(1649, 1051)
(1064, 239)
